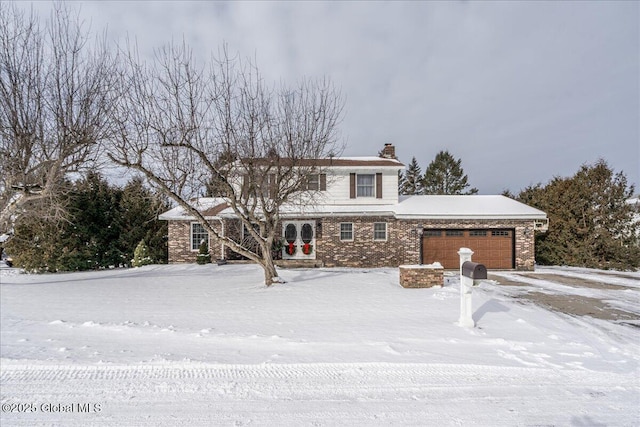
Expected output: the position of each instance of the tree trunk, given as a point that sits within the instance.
(270, 273)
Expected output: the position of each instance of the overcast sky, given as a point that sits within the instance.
(520, 91)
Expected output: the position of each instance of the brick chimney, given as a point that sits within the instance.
(389, 151)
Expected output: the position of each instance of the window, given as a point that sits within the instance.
(269, 186)
(454, 233)
(306, 233)
(313, 182)
(290, 233)
(346, 231)
(432, 233)
(198, 235)
(478, 233)
(380, 231)
(365, 185)
(500, 233)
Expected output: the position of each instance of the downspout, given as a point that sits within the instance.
(420, 235)
(223, 235)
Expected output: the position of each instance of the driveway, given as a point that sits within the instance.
(606, 295)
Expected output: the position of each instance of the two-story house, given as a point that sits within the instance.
(357, 219)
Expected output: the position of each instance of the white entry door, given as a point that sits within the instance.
(299, 240)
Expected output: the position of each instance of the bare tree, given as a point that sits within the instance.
(55, 95)
(185, 127)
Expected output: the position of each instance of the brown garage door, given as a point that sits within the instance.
(493, 248)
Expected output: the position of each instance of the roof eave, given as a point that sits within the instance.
(465, 217)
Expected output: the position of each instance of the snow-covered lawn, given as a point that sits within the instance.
(210, 345)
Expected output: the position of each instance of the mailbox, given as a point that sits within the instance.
(474, 270)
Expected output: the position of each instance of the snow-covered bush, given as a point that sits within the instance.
(141, 255)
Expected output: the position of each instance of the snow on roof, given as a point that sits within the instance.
(417, 207)
(363, 161)
(210, 207)
(465, 207)
(331, 162)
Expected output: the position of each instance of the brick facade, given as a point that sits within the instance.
(420, 276)
(402, 244)
(180, 243)
(401, 247)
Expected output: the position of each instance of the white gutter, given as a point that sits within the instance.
(484, 217)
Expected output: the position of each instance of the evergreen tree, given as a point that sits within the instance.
(36, 245)
(141, 255)
(413, 179)
(445, 175)
(95, 225)
(204, 257)
(139, 209)
(590, 223)
(401, 182)
(104, 225)
(37, 241)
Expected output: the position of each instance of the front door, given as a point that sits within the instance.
(299, 240)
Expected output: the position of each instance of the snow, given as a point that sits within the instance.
(465, 207)
(408, 207)
(211, 345)
(432, 266)
(202, 204)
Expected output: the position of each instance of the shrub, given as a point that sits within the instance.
(204, 257)
(141, 255)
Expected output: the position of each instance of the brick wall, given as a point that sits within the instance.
(180, 243)
(401, 247)
(420, 276)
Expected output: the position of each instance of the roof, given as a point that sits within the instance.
(210, 207)
(341, 162)
(408, 207)
(465, 207)
(359, 161)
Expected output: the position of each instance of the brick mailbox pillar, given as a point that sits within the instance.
(421, 276)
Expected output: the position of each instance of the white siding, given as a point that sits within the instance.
(338, 186)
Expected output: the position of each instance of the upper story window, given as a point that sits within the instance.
(316, 182)
(313, 182)
(365, 185)
(269, 186)
(198, 235)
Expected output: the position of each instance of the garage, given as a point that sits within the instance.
(492, 247)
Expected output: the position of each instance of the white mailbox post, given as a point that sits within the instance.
(471, 274)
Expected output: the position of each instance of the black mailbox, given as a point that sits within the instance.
(474, 271)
